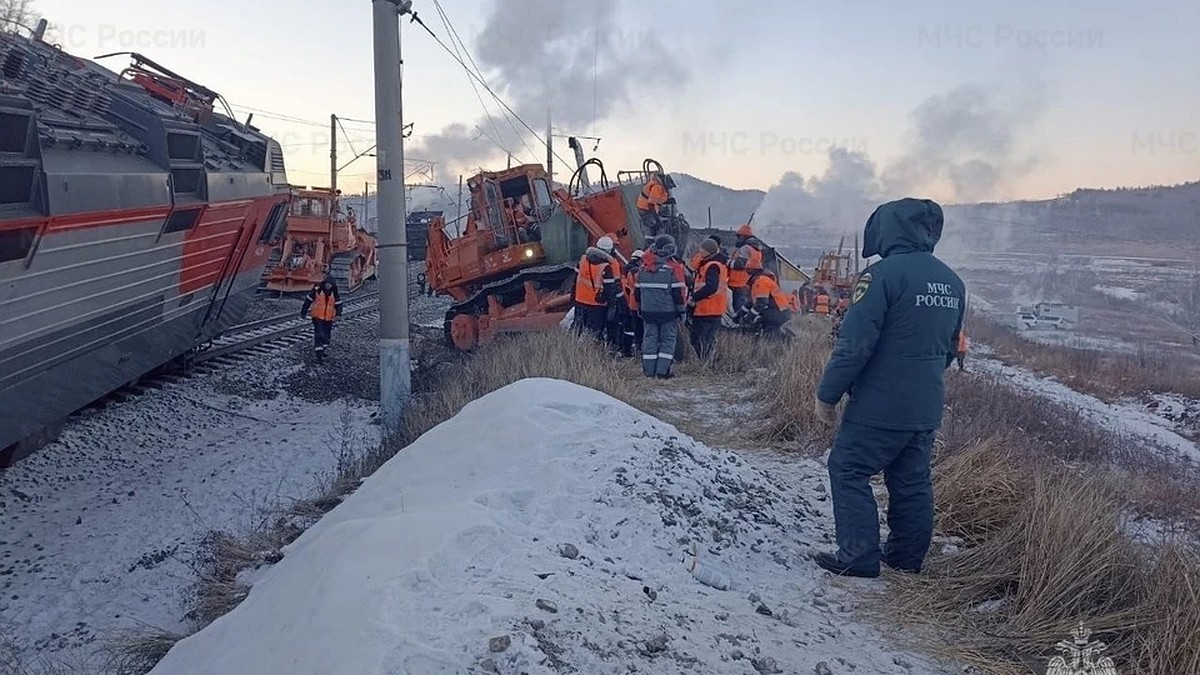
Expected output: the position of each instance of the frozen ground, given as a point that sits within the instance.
(1168, 423)
(554, 544)
(102, 527)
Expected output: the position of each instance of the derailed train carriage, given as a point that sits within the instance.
(134, 222)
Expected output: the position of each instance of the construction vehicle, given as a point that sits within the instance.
(513, 267)
(320, 240)
(837, 271)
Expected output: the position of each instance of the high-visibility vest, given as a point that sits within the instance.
(589, 283)
(740, 278)
(822, 304)
(653, 195)
(765, 286)
(717, 303)
(324, 307)
(696, 261)
(628, 285)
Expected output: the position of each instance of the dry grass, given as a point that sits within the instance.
(1107, 374)
(1035, 491)
(1050, 550)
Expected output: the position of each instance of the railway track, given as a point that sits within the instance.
(239, 343)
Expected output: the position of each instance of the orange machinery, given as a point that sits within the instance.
(513, 267)
(321, 240)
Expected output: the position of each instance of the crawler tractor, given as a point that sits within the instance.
(321, 240)
(513, 267)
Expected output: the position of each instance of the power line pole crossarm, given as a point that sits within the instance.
(395, 375)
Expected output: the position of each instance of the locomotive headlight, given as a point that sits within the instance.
(528, 253)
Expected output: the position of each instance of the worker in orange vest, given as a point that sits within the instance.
(655, 194)
(822, 303)
(323, 306)
(595, 287)
(769, 307)
(962, 345)
(746, 259)
(632, 330)
(710, 298)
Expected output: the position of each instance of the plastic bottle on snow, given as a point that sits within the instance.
(708, 575)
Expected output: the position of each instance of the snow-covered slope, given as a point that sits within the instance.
(541, 531)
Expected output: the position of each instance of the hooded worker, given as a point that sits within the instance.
(323, 306)
(595, 287)
(660, 294)
(894, 346)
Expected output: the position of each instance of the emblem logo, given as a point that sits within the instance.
(1081, 656)
(860, 288)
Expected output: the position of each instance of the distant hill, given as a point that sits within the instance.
(1089, 220)
(730, 207)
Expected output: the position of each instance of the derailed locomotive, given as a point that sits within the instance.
(134, 226)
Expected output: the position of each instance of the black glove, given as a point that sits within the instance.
(302, 313)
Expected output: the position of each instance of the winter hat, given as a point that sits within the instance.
(709, 246)
(605, 244)
(665, 245)
(638, 254)
(715, 238)
(745, 231)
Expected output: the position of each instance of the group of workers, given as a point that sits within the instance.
(642, 302)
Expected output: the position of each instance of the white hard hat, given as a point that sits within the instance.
(638, 253)
(605, 244)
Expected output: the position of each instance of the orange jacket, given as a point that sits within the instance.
(768, 300)
(323, 306)
(739, 278)
(628, 284)
(591, 284)
(717, 303)
(822, 304)
(653, 195)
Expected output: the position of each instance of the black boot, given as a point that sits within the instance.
(830, 562)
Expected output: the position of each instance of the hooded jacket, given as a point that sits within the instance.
(596, 283)
(659, 291)
(900, 332)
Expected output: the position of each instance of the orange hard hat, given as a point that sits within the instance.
(745, 231)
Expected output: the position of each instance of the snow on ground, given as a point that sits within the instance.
(1118, 292)
(102, 526)
(553, 543)
(1067, 338)
(1129, 419)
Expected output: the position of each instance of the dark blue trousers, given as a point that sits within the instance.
(860, 452)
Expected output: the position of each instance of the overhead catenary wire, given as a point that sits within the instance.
(456, 39)
(488, 88)
(487, 111)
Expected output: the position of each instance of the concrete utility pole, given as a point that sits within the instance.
(395, 383)
(333, 155)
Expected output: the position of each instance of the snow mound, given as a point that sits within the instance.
(541, 530)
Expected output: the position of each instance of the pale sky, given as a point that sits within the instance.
(1100, 93)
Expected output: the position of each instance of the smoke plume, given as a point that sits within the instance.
(964, 141)
(574, 58)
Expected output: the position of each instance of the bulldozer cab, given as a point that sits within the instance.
(510, 205)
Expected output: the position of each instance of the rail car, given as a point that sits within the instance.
(134, 226)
